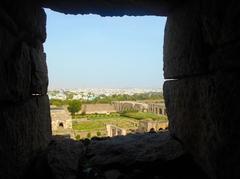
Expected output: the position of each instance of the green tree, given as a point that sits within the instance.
(78, 137)
(74, 106)
(56, 102)
(89, 135)
(98, 133)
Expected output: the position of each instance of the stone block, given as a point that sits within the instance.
(64, 157)
(39, 78)
(15, 70)
(113, 7)
(203, 114)
(199, 37)
(230, 29)
(29, 17)
(225, 58)
(132, 149)
(221, 33)
(184, 48)
(25, 130)
(7, 22)
(7, 43)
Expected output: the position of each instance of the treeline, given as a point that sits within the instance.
(125, 97)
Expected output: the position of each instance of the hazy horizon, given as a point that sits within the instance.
(148, 88)
(104, 52)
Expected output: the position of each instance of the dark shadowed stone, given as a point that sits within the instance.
(63, 158)
(220, 29)
(157, 156)
(226, 58)
(211, 13)
(7, 43)
(203, 114)
(230, 31)
(25, 129)
(113, 7)
(7, 22)
(133, 149)
(200, 38)
(15, 72)
(112, 174)
(184, 50)
(60, 160)
(29, 17)
(39, 81)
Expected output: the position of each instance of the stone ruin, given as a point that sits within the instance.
(60, 118)
(122, 106)
(148, 125)
(157, 108)
(201, 91)
(113, 130)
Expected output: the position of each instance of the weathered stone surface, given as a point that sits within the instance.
(206, 59)
(197, 35)
(7, 22)
(184, 49)
(230, 31)
(15, 71)
(133, 149)
(29, 17)
(154, 159)
(225, 58)
(24, 130)
(64, 157)
(39, 77)
(220, 31)
(203, 114)
(112, 7)
(7, 43)
(23, 70)
(112, 174)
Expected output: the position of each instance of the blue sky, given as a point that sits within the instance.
(104, 52)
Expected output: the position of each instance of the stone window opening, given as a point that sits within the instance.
(160, 111)
(61, 125)
(156, 110)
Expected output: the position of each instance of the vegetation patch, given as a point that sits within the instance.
(94, 116)
(144, 115)
(99, 124)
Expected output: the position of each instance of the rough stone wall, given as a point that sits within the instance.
(201, 53)
(24, 107)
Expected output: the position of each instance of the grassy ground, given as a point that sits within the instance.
(95, 116)
(83, 125)
(144, 115)
(99, 123)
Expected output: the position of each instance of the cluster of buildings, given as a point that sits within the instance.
(92, 93)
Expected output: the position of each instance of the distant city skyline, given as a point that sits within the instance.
(104, 52)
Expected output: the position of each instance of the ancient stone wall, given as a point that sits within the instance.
(24, 106)
(201, 54)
